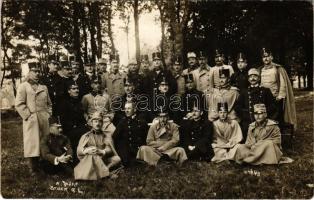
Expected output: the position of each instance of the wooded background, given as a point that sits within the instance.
(84, 28)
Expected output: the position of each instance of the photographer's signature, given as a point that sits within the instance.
(66, 186)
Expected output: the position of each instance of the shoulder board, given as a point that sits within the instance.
(271, 122)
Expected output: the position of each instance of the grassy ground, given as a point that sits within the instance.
(193, 180)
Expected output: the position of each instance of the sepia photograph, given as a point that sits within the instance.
(156, 99)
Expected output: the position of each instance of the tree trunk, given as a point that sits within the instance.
(162, 28)
(98, 26)
(84, 21)
(76, 33)
(110, 34)
(137, 36)
(92, 30)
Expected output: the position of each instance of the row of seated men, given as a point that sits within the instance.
(133, 142)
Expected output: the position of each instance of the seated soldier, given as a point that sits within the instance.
(56, 151)
(227, 135)
(96, 153)
(162, 140)
(263, 144)
(99, 101)
(130, 134)
(196, 135)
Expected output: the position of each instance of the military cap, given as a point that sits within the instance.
(70, 84)
(89, 61)
(253, 71)
(241, 57)
(202, 55)
(114, 57)
(54, 122)
(259, 108)
(102, 61)
(191, 55)
(162, 112)
(132, 62)
(163, 81)
(177, 60)
(156, 56)
(224, 73)
(53, 59)
(33, 66)
(96, 116)
(189, 78)
(144, 58)
(128, 82)
(65, 64)
(266, 52)
(218, 53)
(222, 106)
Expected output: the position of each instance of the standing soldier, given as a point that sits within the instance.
(49, 80)
(102, 66)
(34, 106)
(224, 93)
(177, 74)
(144, 69)
(158, 72)
(239, 78)
(201, 74)
(192, 60)
(81, 80)
(89, 68)
(254, 94)
(214, 72)
(130, 134)
(64, 76)
(137, 79)
(113, 80)
(275, 77)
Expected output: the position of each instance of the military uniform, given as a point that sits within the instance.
(138, 81)
(192, 98)
(180, 83)
(154, 78)
(49, 80)
(240, 79)
(201, 78)
(198, 134)
(84, 84)
(214, 75)
(113, 83)
(129, 135)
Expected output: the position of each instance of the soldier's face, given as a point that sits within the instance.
(102, 67)
(95, 87)
(189, 85)
(133, 68)
(223, 81)
(128, 89)
(115, 66)
(177, 68)
(145, 65)
(163, 120)
(253, 79)
(67, 71)
(222, 115)
(267, 59)
(260, 117)
(157, 64)
(202, 61)
(56, 130)
(73, 91)
(34, 75)
(197, 114)
(75, 69)
(163, 88)
(241, 65)
(97, 124)
(53, 68)
(192, 61)
(219, 60)
(88, 68)
(129, 109)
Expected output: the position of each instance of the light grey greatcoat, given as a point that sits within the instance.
(35, 109)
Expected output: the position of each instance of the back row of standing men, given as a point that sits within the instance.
(76, 96)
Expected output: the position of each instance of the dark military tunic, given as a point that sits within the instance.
(129, 135)
(84, 84)
(240, 79)
(138, 81)
(52, 146)
(199, 134)
(154, 79)
(193, 98)
(49, 80)
(72, 120)
(61, 92)
(245, 106)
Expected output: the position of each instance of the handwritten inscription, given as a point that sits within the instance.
(66, 186)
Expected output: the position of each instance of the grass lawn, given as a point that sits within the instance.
(193, 180)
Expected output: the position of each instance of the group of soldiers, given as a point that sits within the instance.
(153, 113)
